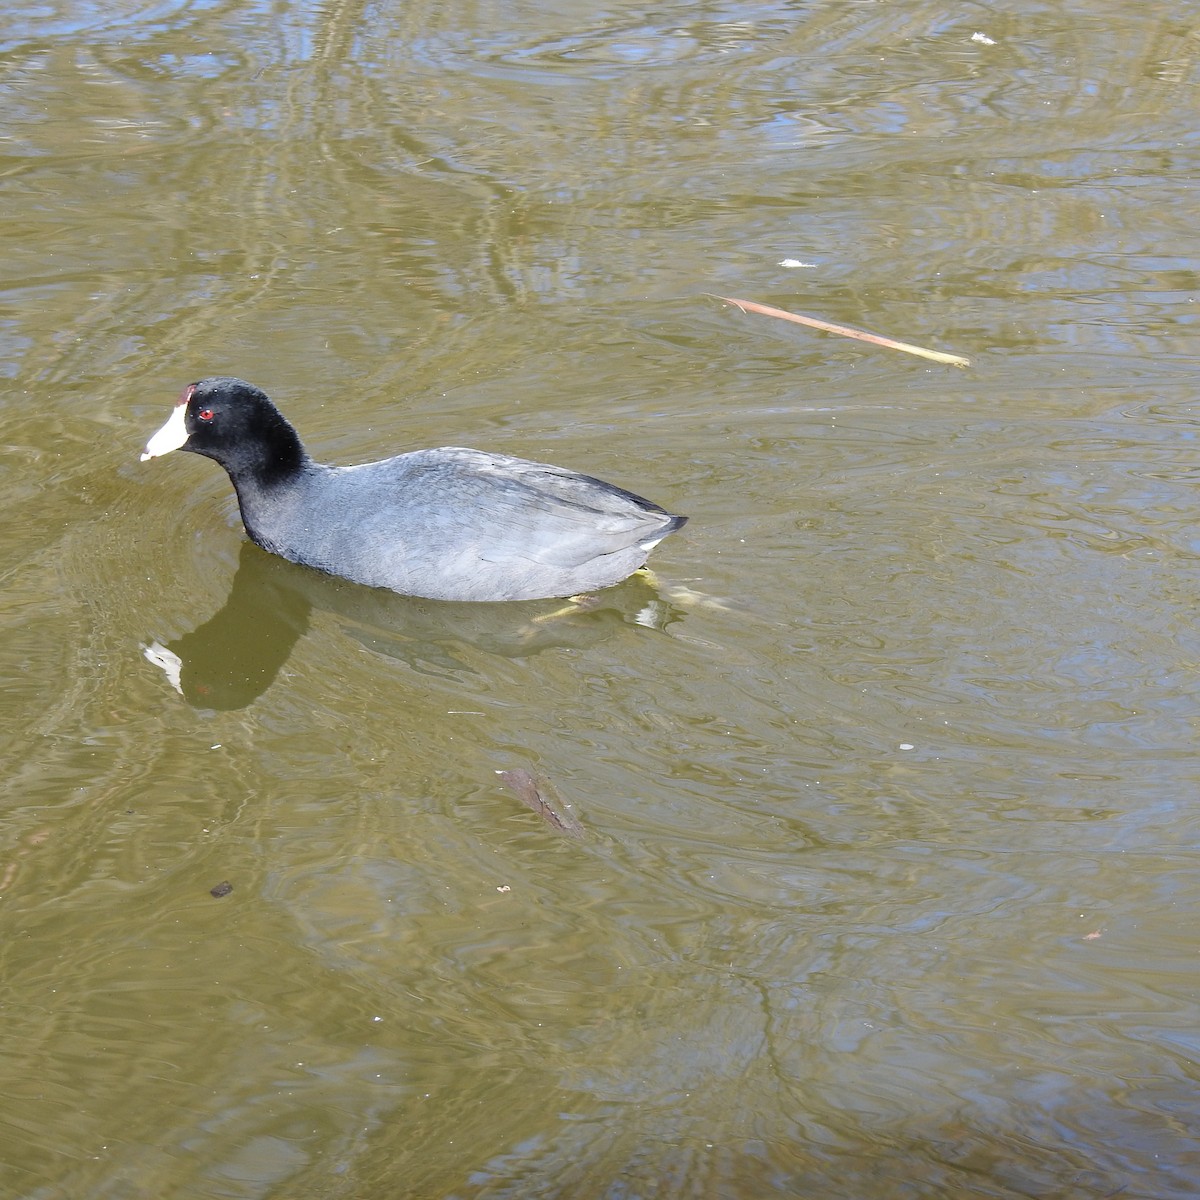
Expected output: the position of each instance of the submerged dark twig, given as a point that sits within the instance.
(540, 795)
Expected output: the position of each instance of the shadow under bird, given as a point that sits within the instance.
(446, 524)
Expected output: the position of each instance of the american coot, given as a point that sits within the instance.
(449, 524)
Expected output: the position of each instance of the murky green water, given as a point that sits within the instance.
(889, 879)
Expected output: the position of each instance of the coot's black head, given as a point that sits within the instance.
(235, 423)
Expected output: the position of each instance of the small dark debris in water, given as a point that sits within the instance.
(540, 795)
(222, 889)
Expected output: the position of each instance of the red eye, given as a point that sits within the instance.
(205, 414)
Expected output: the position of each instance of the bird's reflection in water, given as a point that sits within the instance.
(233, 658)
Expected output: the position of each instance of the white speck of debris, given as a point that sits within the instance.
(216, 747)
(794, 262)
(982, 39)
(504, 888)
(906, 746)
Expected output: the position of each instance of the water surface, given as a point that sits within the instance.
(890, 855)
